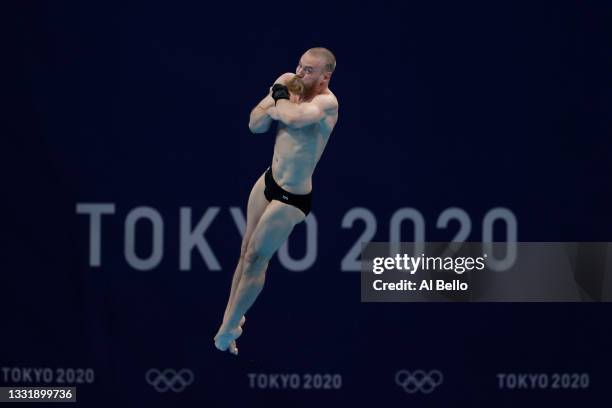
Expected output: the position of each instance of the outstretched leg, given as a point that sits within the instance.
(255, 208)
(256, 205)
(271, 232)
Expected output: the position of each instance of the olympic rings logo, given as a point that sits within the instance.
(419, 380)
(169, 379)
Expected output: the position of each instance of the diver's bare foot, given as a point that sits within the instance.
(233, 348)
(225, 337)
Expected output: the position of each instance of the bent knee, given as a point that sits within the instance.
(255, 256)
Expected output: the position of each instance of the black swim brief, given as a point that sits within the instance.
(275, 192)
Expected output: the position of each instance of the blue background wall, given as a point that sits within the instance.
(476, 105)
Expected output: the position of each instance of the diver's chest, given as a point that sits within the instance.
(305, 135)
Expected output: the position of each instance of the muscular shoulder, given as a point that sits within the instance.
(326, 101)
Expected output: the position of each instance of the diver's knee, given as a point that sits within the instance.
(255, 257)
